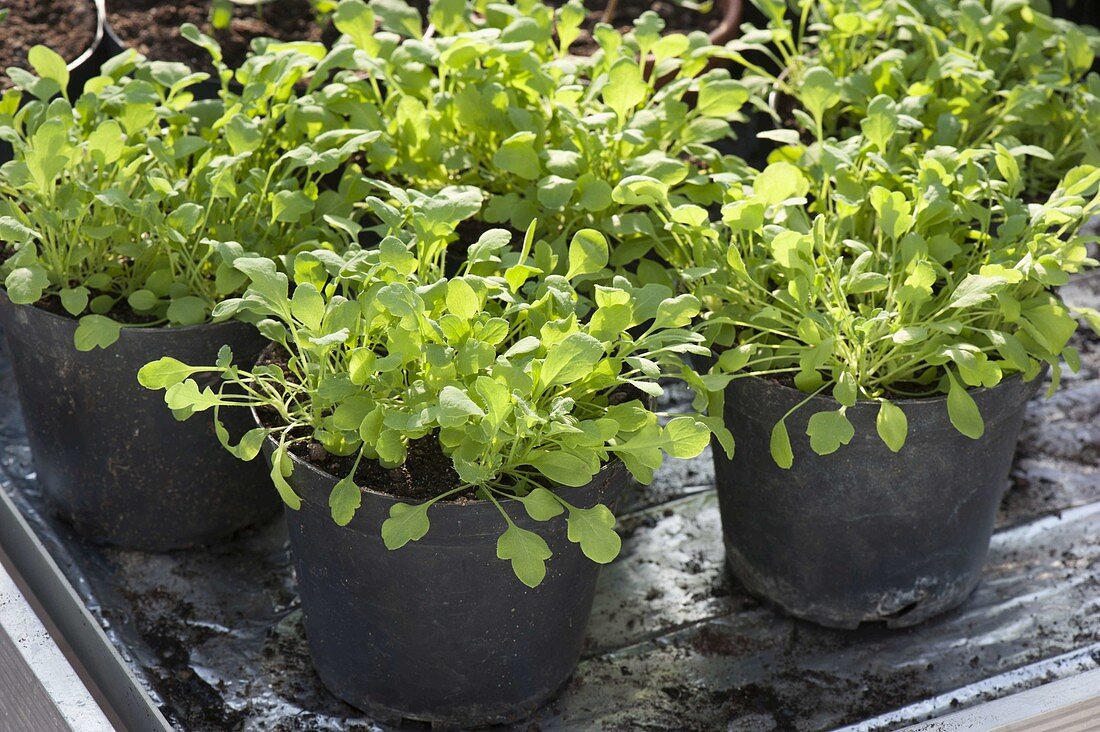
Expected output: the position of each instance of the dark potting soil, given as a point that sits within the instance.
(66, 26)
(425, 474)
(152, 27)
(121, 312)
(677, 17)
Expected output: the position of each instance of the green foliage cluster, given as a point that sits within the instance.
(967, 74)
(131, 203)
(896, 285)
(221, 11)
(527, 385)
(895, 246)
(493, 103)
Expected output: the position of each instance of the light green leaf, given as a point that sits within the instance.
(819, 91)
(142, 300)
(356, 20)
(677, 312)
(455, 405)
(49, 65)
(974, 290)
(25, 285)
(587, 253)
(594, 529)
(528, 553)
(399, 17)
(555, 191)
(893, 425)
(846, 390)
(828, 431)
(462, 300)
(562, 467)
(187, 395)
(595, 193)
(406, 523)
(164, 372)
(686, 437)
(187, 310)
(517, 155)
(625, 88)
(344, 500)
(541, 505)
(781, 446)
(290, 206)
(572, 359)
(74, 299)
(722, 98)
(307, 305)
(779, 182)
(95, 331)
(281, 467)
(11, 230)
(107, 141)
(963, 410)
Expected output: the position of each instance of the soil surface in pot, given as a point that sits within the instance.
(120, 312)
(425, 474)
(678, 19)
(66, 26)
(152, 27)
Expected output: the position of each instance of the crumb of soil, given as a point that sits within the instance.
(66, 26)
(152, 27)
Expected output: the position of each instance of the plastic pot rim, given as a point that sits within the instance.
(936, 399)
(101, 24)
(136, 329)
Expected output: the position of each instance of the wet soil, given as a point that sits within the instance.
(152, 27)
(165, 624)
(66, 26)
(677, 17)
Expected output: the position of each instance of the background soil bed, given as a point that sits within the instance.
(152, 27)
(66, 26)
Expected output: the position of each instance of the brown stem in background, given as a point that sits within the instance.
(609, 11)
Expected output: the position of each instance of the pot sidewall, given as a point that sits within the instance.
(441, 629)
(110, 456)
(864, 534)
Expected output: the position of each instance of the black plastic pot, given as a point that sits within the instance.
(110, 456)
(87, 64)
(864, 534)
(439, 630)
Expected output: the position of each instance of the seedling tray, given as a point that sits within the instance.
(215, 636)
